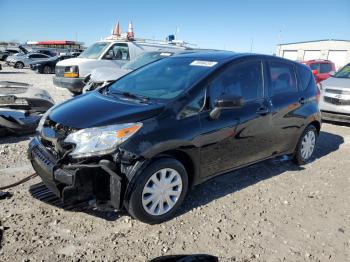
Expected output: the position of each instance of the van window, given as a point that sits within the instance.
(244, 79)
(282, 77)
(119, 51)
(94, 51)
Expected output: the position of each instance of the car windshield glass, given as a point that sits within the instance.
(145, 59)
(344, 72)
(94, 51)
(163, 79)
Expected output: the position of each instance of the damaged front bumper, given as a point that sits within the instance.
(74, 183)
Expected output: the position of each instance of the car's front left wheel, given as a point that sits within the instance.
(158, 192)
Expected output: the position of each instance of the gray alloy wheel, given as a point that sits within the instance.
(308, 145)
(161, 192)
(47, 70)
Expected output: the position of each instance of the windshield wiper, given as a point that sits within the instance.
(143, 99)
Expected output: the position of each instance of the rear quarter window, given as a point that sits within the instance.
(305, 76)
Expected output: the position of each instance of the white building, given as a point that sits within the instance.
(337, 51)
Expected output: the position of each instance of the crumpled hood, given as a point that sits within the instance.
(94, 109)
(336, 82)
(108, 74)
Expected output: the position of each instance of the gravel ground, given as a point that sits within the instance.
(272, 211)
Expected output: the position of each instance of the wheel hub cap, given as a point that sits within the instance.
(162, 191)
(308, 145)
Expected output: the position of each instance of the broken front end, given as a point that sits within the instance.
(75, 173)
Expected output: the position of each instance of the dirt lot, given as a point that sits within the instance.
(273, 211)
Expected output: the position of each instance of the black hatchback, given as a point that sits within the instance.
(141, 142)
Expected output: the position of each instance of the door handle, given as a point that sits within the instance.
(302, 101)
(262, 110)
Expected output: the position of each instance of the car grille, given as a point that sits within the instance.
(59, 71)
(336, 101)
(337, 91)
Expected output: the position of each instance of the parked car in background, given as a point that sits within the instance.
(320, 68)
(47, 66)
(104, 75)
(144, 140)
(71, 73)
(25, 60)
(335, 96)
(7, 52)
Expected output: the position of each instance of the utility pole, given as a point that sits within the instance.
(251, 44)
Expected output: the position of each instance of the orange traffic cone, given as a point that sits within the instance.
(130, 34)
(116, 30)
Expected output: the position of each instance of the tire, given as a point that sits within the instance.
(19, 65)
(47, 70)
(167, 172)
(308, 139)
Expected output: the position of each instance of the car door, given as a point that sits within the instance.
(285, 100)
(238, 136)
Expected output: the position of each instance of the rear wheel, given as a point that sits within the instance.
(19, 65)
(159, 190)
(47, 70)
(306, 145)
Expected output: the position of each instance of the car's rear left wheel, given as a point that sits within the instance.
(19, 65)
(159, 190)
(306, 145)
(47, 70)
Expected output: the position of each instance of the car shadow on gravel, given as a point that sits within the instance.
(11, 73)
(209, 191)
(235, 181)
(11, 139)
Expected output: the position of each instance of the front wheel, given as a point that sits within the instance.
(306, 145)
(159, 190)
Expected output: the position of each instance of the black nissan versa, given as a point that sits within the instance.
(144, 140)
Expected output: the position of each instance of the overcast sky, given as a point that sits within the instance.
(231, 25)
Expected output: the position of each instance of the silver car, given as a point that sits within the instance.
(335, 96)
(25, 60)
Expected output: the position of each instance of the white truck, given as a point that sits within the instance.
(70, 73)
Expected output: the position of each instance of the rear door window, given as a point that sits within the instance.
(283, 79)
(315, 66)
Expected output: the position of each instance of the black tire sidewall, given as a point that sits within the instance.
(298, 159)
(135, 207)
(19, 65)
(49, 72)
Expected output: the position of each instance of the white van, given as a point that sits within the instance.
(70, 73)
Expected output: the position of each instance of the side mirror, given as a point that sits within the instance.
(314, 72)
(226, 102)
(332, 73)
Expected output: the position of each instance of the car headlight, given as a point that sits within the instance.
(100, 140)
(71, 71)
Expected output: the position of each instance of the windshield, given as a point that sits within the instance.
(94, 51)
(344, 72)
(145, 59)
(163, 79)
